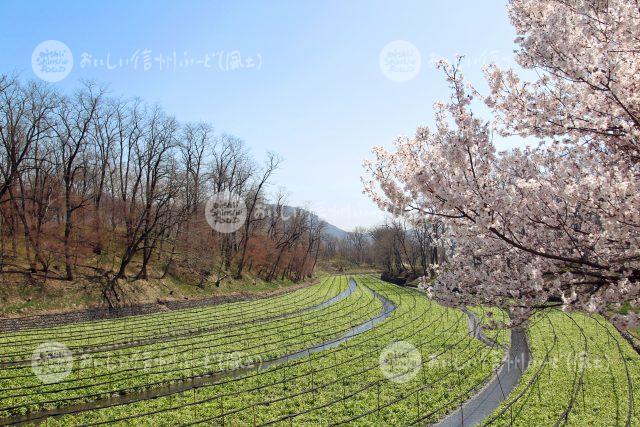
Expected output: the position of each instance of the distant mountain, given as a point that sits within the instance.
(333, 231)
(329, 230)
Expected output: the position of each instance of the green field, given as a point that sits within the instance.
(313, 357)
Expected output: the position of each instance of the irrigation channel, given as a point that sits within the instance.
(475, 402)
(475, 410)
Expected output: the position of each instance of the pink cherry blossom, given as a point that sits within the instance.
(559, 222)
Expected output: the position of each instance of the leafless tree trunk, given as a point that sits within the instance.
(254, 199)
(73, 124)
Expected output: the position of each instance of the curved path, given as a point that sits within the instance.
(474, 411)
(388, 308)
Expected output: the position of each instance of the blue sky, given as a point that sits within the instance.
(316, 94)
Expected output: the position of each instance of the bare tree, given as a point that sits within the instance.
(72, 127)
(104, 134)
(196, 141)
(255, 197)
(358, 239)
(24, 112)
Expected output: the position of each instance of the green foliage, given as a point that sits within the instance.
(582, 372)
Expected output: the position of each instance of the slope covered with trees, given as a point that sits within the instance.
(111, 190)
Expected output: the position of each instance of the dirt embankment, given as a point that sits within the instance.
(53, 318)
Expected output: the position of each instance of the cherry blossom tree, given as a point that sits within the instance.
(556, 222)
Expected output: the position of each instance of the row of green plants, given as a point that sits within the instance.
(133, 369)
(19, 345)
(583, 373)
(344, 384)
